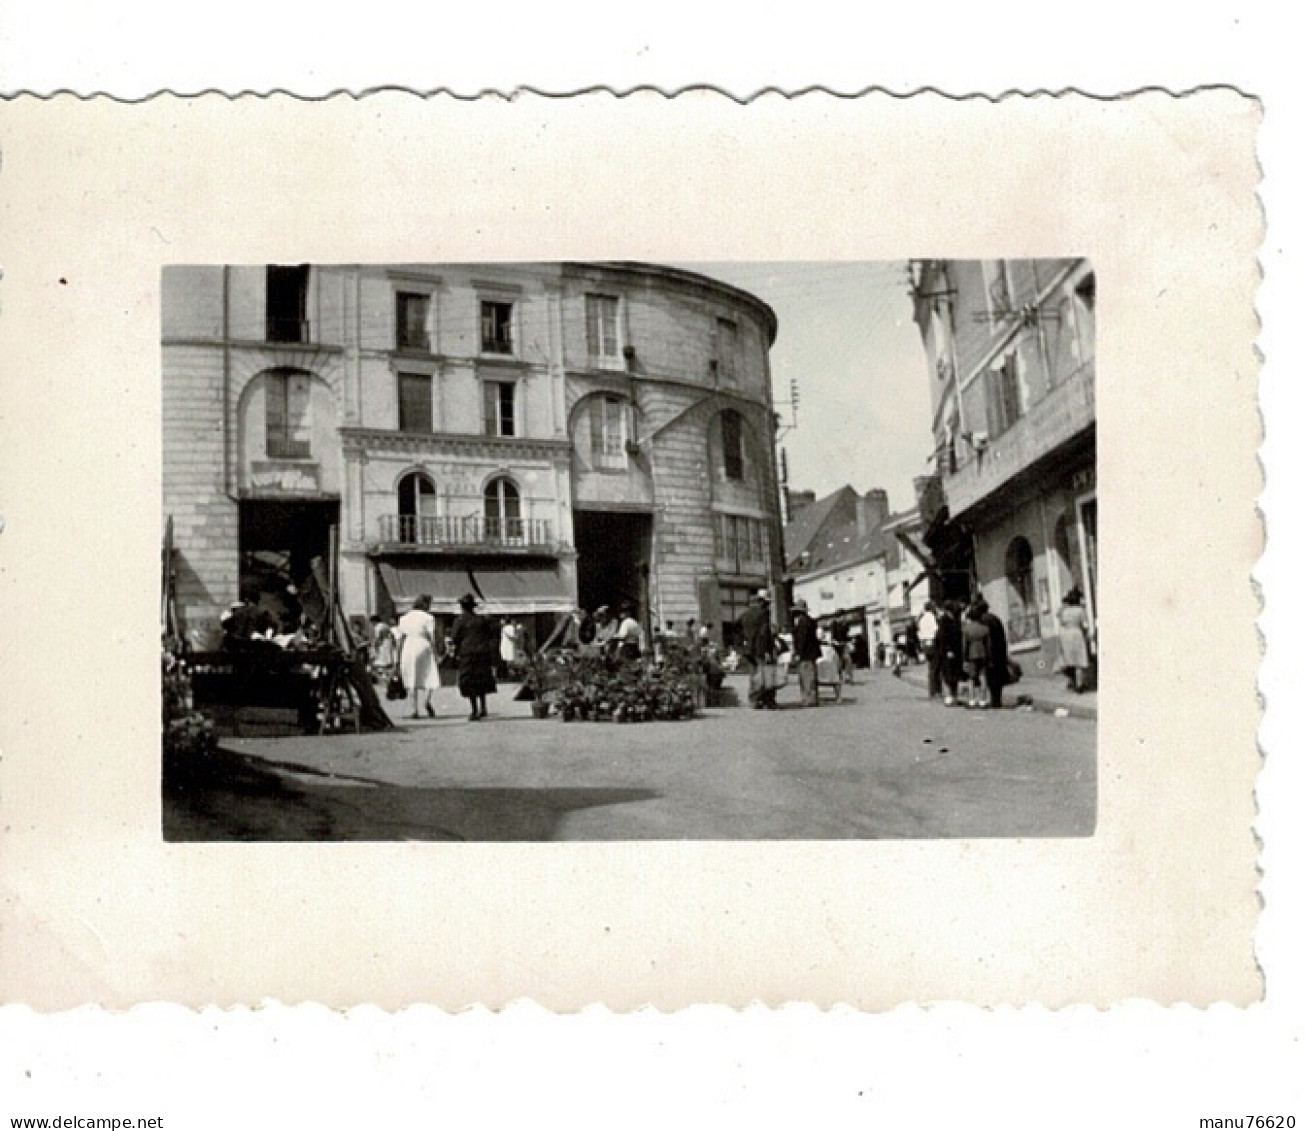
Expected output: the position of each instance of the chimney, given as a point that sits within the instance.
(797, 500)
(871, 510)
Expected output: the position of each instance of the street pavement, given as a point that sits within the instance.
(881, 762)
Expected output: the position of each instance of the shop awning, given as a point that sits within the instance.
(502, 592)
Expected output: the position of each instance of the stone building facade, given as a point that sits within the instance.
(542, 434)
(1012, 358)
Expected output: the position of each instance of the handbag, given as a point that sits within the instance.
(770, 677)
(395, 689)
(1013, 672)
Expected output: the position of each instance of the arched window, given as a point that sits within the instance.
(733, 446)
(1022, 610)
(502, 511)
(417, 509)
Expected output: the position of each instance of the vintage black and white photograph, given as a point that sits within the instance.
(610, 551)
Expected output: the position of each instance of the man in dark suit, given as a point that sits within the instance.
(806, 649)
(759, 650)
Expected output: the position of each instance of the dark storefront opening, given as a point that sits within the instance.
(613, 551)
(278, 541)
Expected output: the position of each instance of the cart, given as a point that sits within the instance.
(310, 691)
(829, 671)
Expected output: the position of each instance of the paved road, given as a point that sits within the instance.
(881, 763)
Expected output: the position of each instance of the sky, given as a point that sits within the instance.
(846, 335)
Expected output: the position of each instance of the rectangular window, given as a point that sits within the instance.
(496, 327)
(607, 428)
(727, 346)
(731, 426)
(411, 316)
(500, 408)
(289, 416)
(600, 324)
(1005, 401)
(415, 403)
(287, 304)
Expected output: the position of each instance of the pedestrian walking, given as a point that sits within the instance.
(1075, 657)
(416, 659)
(975, 634)
(759, 652)
(840, 638)
(998, 670)
(927, 628)
(475, 644)
(507, 645)
(806, 650)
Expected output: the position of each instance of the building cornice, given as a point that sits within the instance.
(280, 349)
(363, 441)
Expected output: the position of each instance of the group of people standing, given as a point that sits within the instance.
(762, 647)
(407, 649)
(969, 661)
(966, 650)
(618, 635)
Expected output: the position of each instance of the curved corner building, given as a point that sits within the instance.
(541, 434)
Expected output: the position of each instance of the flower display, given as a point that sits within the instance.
(598, 688)
(187, 734)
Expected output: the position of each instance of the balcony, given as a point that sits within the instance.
(288, 330)
(470, 533)
(1063, 415)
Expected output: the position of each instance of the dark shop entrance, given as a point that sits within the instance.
(613, 549)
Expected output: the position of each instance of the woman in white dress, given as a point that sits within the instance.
(416, 633)
(1074, 657)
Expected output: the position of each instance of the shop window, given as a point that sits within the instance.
(415, 403)
(1021, 600)
(496, 327)
(289, 398)
(500, 408)
(412, 321)
(733, 604)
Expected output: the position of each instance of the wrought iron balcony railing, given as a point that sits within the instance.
(470, 531)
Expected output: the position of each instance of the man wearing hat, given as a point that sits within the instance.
(759, 651)
(806, 647)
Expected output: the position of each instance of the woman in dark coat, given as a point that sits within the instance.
(475, 645)
(998, 671)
